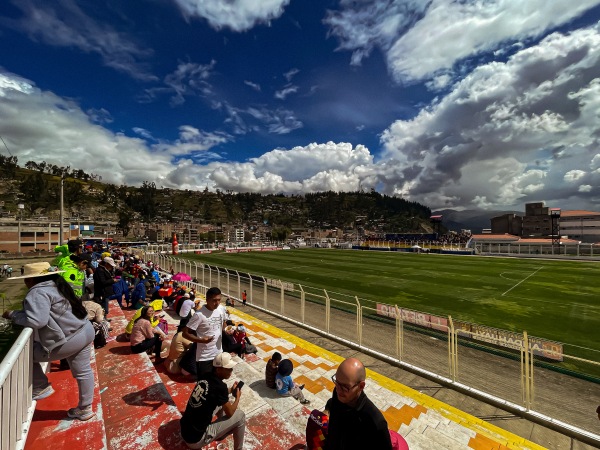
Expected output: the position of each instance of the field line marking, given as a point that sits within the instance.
(529, 276)
(293, 267)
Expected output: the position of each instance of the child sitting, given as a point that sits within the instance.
(271, 370)
(285, 384)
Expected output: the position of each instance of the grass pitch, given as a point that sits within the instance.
(557, 300)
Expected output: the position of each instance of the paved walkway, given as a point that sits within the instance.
(138, 405)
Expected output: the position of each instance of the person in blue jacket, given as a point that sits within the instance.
(121, 292)
(138, 296)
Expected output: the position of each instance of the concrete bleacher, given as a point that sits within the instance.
(138, 404)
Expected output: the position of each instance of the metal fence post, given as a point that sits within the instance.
(399, 333)
(239, 285)
(452, 350)
(218, 278)
(327, 310)
(265, 293)
(282, 291)
(251, 296)
(302, 302)
(526, 372)
(358, 321)
(227, 272)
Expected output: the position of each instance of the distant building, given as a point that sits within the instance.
(507, 224)
(27, 236)
(537, 223)
(581, 225)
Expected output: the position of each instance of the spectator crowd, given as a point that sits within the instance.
(68, 306)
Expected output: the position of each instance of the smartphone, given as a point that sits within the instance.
(239, 386)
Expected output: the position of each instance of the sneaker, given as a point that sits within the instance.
(305, 402)
(81, 414)
(43, 393)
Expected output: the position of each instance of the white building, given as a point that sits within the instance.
(580, 225)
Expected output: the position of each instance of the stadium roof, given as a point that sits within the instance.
(578, 212)
(495, 237)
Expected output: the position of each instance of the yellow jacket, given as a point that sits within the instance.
(156, 304)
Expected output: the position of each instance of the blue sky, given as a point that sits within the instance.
(455, 104)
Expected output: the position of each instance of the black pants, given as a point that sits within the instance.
(234, 348)
(203, 368)
(148, 343)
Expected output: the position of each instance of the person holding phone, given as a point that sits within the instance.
(209, 395)
(206, 328)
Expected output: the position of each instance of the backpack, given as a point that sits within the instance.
(163, 325)
(101, 330)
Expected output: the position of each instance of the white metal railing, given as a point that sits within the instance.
(400, 345)
(16, 405)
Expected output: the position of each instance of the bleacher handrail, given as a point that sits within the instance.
(16, 404)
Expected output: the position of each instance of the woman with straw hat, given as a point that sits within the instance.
(61, 330)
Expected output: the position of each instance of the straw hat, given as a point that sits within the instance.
(38, 269)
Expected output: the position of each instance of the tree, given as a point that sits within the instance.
(123, 223)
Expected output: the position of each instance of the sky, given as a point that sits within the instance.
(461, 104)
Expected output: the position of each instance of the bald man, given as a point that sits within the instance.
(355, 423)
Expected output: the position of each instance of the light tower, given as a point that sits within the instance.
(555, 221)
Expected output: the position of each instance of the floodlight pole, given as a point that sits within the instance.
(555, 221)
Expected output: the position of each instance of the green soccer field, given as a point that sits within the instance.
(557, 300)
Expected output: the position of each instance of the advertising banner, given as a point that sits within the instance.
(502, 338)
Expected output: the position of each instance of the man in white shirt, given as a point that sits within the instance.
(187, 310)
(205, 328)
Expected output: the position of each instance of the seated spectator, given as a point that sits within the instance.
(229, 343)
(179, 345)
(230, 302)
(316, 429)
(188, 361)
(271, 370)
(144, 336)
(121, 292)
(285, 384)
(96, 316)
(157, 307)
(211, 395)
(138, 296)
(241, 337)
(185, 309)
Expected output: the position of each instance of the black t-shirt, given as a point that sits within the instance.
(356, 428)
(209, 393)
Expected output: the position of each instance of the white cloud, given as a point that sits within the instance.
(315, 167)
(291, 73)
(254, 86)
(422, 38)
(574, 175)
(283, 93)
(192, 141)
(253, 118)
(65, 24)
(507, 131)
(505, 134)
(237, 15)
(40, 126)
(188, 79)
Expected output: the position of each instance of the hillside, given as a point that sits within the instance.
(37, 187)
